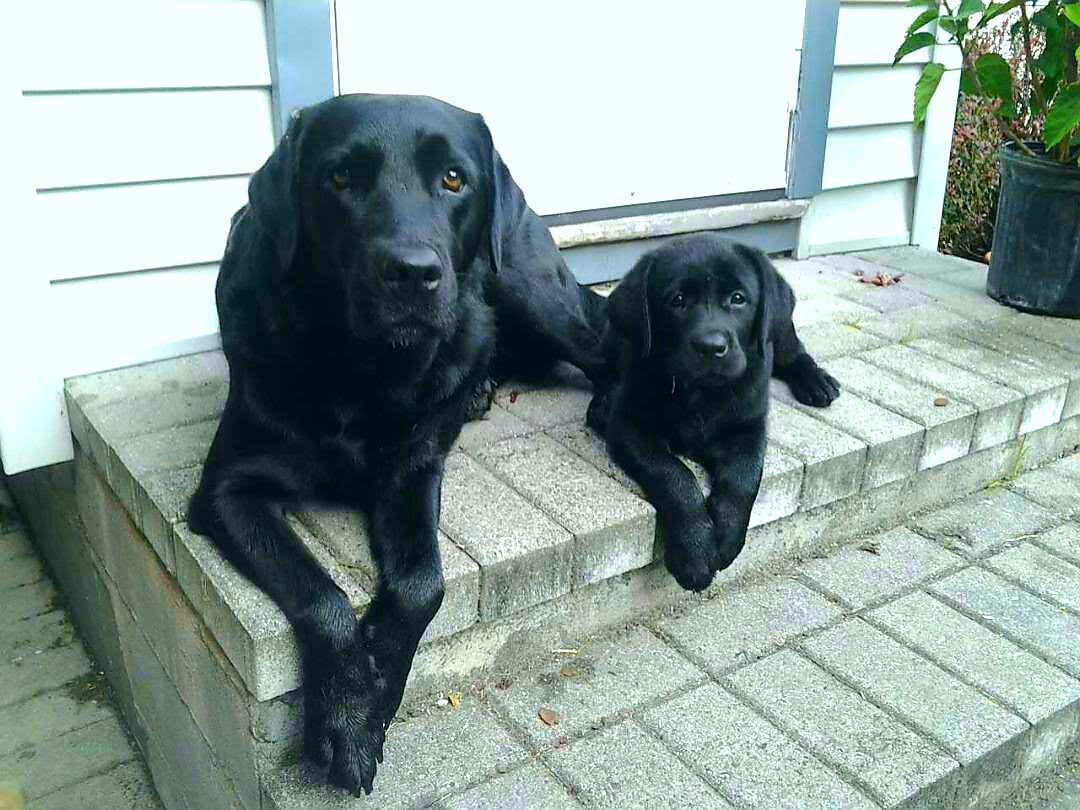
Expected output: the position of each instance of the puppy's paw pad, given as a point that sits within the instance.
(815, 387)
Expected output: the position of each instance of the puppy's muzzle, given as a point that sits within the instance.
(711, 346)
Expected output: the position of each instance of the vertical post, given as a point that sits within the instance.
(936, 146)
(299, 37)
(811, 121)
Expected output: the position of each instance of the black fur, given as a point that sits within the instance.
(355, 301)
(694, 362)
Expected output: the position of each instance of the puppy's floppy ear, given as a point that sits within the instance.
(628, 306)
(274, 192)
(776, 299)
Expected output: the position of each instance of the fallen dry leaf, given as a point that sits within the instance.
(548, 717)
(569, 671)
(455, 700)
(941, 402)
(986, 258)
(503, 684)
(881, 279)
(513, 397)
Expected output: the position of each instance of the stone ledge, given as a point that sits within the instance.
(558, 518)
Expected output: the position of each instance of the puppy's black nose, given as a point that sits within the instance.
(417, 269)
(711, 345)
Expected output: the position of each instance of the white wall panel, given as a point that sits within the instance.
(598, 104)
(125, 44)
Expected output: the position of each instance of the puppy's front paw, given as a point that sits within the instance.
(812, 385)
(345, 726)
(690, 552)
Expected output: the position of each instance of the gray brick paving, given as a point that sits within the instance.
(20, 570)
(1045, 391)
(127, 787)
(603, 680)
(1031, 687)
(1050, 487)
(68, 759)
(525, 557)
(843, 728)
(949, 428)
(625, 767)
(14, 543)
(879, 567)
(739, 626)
(1046, 574)
(1011, 635)
(427, 757)
(30, 600)
(999, 407)
(985, 520)
(834, 460)
(916, 689)
(614, 530)
(545, 407)
(752, 762)
(36, 673)
(907, 324)
(1031, 622)
(894, 444)
(529, 788)
(1064, 541)
(46, 716)
(1002, 338)
(920, 262)
(825, 341)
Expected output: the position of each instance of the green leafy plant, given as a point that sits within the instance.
(1047, 34)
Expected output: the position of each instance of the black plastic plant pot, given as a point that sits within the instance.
(1035, 259)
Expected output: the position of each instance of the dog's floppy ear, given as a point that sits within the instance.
(776, 302)
(628, 306)
(274, 192)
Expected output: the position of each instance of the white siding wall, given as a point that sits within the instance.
(137, 123)
(147, 116)
(872, 151)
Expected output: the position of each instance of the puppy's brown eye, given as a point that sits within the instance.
(738, 299)
(453, 180)
(678, 301)
(340, 179)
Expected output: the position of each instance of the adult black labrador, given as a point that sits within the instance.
(697, 327)
(356, 305)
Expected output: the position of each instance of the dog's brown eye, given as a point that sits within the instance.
(738, 299)
(340, 179)
(678, 301)
(453, 180)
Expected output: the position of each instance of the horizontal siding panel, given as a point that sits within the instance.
(125, 44)
(99, 138)
(849, 217)
(120, 320)
(861, 155)
(873, 95)
(869, 34)
(118, 229)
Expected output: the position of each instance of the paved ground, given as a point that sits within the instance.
(935, 661)
(62, 745)
(858, 680)
(1059, 789)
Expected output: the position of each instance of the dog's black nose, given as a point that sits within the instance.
(713, 344)
(413, 268)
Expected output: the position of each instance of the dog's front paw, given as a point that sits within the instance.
(812, 385)
(345, 726)
(480, 400)
(690, 552)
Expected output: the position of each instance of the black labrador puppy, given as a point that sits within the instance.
(697, 327)
(355, 317)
